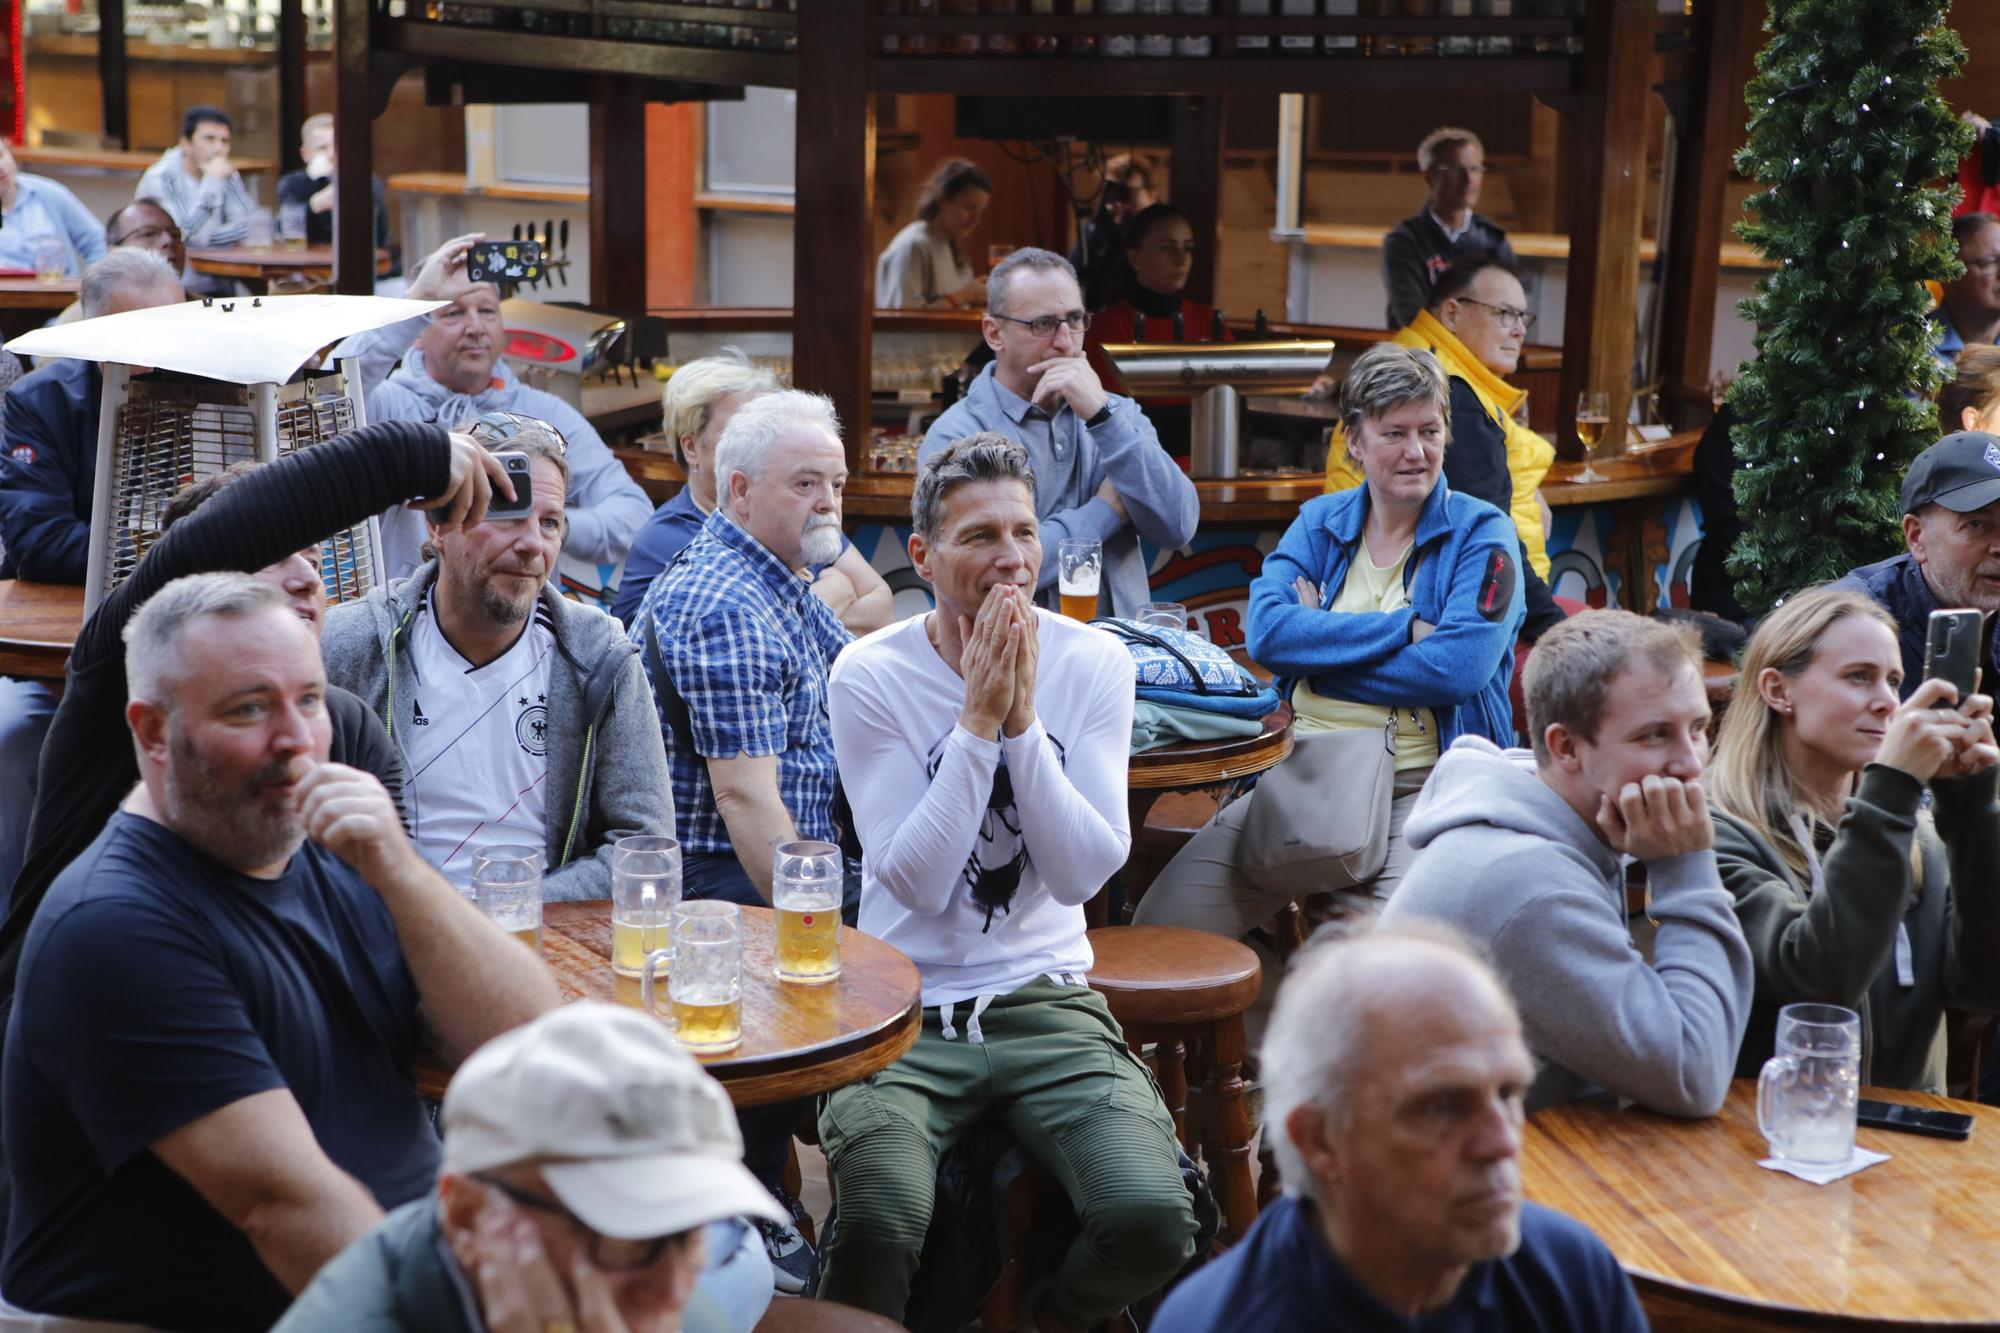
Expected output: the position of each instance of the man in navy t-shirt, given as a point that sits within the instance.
(1399, 1137)
(207, 1081)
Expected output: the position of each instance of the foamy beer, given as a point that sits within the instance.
(1079, 566)
(805, 890)
(645, 886)
(507, 887)
(705, 987)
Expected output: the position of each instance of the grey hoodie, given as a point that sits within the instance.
(1503, 858)
(607, 762)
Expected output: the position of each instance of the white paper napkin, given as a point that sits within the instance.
(1821, 1175)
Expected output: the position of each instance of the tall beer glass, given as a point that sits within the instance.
(1806, 1092)
(805, 890)
(507, 887)
(1080, 567)
(706, 984)
(645, 886)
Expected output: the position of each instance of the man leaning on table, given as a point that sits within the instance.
(983, 747)
(207, 1084)
(199, 185)
(1398, 1134)
(1529, 862)
(1099, 470)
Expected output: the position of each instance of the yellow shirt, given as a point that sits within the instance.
(1370, 587)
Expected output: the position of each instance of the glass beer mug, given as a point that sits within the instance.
(1806, 1093)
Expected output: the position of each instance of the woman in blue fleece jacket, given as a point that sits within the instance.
(1392, 606)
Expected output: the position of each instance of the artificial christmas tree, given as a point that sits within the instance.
(1850, 140)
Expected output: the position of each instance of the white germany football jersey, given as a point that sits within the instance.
(479, 748)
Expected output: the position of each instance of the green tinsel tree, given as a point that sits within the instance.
(1850, 140)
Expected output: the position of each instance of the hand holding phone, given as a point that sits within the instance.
(504, 261)
(1951, 650)
(500, 509)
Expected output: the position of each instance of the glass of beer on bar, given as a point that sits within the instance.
(1079, 569)
(1593, 422)
(706, 983)
(507, 887)
(645, 886)
(805, 890)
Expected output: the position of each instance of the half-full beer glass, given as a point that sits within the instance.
(1080, 566)
(507, 886)
(706, 984)
(1806, 1092)
(645, 886)
(805, 890)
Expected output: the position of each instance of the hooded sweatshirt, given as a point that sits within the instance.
(605, 506)
(1504, 859)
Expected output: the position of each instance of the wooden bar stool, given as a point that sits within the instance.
(1179, 988)
(798, 1314)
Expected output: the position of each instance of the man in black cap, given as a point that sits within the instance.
(1951, 524)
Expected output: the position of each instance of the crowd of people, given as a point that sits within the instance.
(268, 809)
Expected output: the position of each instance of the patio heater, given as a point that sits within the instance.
(191, 389)
(1213, 373)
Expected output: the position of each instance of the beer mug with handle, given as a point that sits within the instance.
(1806, 1093)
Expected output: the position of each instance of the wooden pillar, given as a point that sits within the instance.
(617, 192)
(291, 83)
(832, 268)
(673, 226)
(112, 72)
(1600, 319)
(354, 147)
(1197, 186)
(1726, 34)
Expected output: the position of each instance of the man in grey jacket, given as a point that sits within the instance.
(1530, 865)
(1099, 468)
(521, 717)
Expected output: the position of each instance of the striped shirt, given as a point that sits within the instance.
(210, 212)
(744, 648)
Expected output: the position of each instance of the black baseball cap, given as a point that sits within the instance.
(1960, 472)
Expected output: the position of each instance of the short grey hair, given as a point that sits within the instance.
(985, 456)
(1306, 1060)
(688, 402)
(126, 269)
(1387, 376)
(1441, 138)
(752, 432)
(153, 635)
(1029, 258)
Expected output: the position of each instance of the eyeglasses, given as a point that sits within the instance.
(1506, 314)
(608, 1254)
(1463, 172)
(1044, 326)
(147, 235)
(500, 427)
(1985, 265)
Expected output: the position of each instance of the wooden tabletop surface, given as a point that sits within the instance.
(34, 294)
(1191, 764)
(38, 624)
(240, 261)
(1713, 1240)
(1661, 470)
(797, 1040)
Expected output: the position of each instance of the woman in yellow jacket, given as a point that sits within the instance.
(1476, 324)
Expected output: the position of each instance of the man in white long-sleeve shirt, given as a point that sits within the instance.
(983, 750)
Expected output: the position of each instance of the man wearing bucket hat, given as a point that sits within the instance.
(1951, 525)
(584, 1154)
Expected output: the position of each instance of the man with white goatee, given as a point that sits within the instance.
(739, 650)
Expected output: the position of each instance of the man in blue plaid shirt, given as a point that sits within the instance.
(739, 650)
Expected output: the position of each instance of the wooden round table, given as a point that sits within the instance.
(38, 626)
(34, 294)
(257, 267)
(1712, 1240)
(798, 1041)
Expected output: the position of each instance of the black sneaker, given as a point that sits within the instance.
(794, 1265)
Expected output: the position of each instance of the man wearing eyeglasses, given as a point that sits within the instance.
(1476, 325)
(1099, 468)
(588, 1164)
(1970, 310)
(145, 224)
(1446, 229)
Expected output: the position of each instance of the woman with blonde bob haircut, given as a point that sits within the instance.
(1844, 883)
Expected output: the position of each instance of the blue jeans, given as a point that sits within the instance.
(26, 708)
(718, 875)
